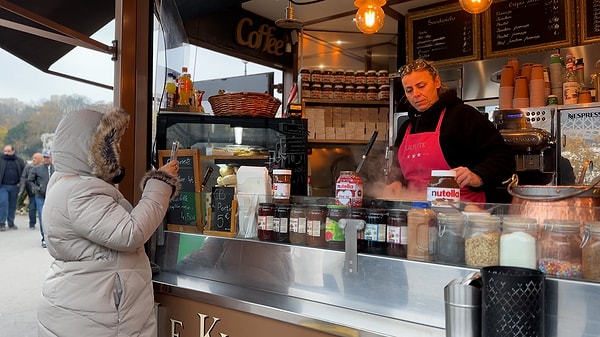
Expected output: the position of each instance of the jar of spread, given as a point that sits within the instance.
(349, 189)
(305, 90)
(397, 233)
(298, 224)
(360, 94)
(371, 77)
(360, 78)
(383, 77)
(316, 76)
(315, 91)
(450, 245)
(482, 241)
(304, 75)
(334, 235)
(338, 92)
(282, 184)
(349, 93)
(266, 215)
(560, 248)
(376, 230)
(281, 223)
(443, 188)
(315, 225)
(422, 225)
(327, 92)
(339, 76)
(372, 93)
(327, 77)
(349, 77)
(590, 254)
(359, 213)
(518, 242)
(384, 92)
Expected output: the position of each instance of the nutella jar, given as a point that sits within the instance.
(372, 93)
(360, 78)
(384, 92)
(349, 93)
(316, 76)
(305, 90)
(383, 77)
(339, 76)
(360, 94)
(371, 77)
(327, 92)
(315, 91)
(338, 92)
(349, 77)
(349, 189)
(304, 75)
(327, 76)
(282, 184)
(443, 188)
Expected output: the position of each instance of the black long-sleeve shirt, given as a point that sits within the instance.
(467, 138)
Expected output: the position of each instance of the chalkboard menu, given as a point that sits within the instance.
(521, 26)
(445, 34)
(223, 209)
(590, 20)
(185, 212)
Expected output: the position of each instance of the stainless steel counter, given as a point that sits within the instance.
(296, 284)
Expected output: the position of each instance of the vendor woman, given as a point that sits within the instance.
(443, 133)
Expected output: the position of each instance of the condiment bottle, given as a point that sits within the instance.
(170, 91)
(376, 231)
(281, 223)
(450, 245)
(518, 242)
(442, 188)
(397, 233)
(298, 224)
(422, 223)
(315, 225)
(282, 184)
(560, 248)
(334, 235)
(266, 215)
(571, 86)
(590, 255)
(482, 241)
(185, 87)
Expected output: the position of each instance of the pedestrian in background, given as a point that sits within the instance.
(100, 282)
(38, 179)
(24, 187)
(11, 168)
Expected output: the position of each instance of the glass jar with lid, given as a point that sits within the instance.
(397, 232)
(422, 227)
(298, 224)
(450, 246)
(315, 225)
(518, 242)
(590, 254)
(482, 240)
(559, 248)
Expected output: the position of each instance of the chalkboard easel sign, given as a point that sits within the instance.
(522, 26)
(185, 211)
(445, 34)
(222, 212)
(590, 21)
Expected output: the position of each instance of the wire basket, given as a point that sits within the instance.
(252, 104)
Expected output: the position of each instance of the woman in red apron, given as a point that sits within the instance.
(443, 133)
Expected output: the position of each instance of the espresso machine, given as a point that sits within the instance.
(531, 134)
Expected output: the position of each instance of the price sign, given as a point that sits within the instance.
(223, 209)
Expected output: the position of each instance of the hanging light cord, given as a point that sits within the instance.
(306, 2)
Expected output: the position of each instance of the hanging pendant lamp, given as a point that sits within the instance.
(369, 16)
(475, 6)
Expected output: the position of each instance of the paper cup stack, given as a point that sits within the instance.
(556, 76)
(537, 96)
(507, 87)
(521, 94)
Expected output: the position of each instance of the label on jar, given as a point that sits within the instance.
(375, 232)
(265, 222)
(349, 189)
(442, 188)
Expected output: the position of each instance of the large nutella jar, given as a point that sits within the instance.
(443, 188)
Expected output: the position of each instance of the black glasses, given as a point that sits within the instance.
(417, 65)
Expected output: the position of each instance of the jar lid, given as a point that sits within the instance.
(484, 220)
(397, 212)
(281, 171)
(551, 225)
(266, 204)
(443, 173)
(451, 219)
(517, 221)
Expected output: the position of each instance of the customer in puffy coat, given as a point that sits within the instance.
(99, 283)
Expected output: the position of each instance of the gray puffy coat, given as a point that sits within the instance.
(99, 283)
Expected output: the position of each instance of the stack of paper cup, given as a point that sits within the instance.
(536, 86)
(556, 76)
(521, 94)
(507, 87)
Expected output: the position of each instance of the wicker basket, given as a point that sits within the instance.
(251, 104)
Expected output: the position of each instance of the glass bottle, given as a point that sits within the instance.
(170, 91)
(298, 224)
(359, 213)
(559, 249)
(450, 245)
(334, 234)
(590, 254)
(266, 215)
(571, 85)
(315, 226)
(518, 242)
(422, 224)
(349, 189)
(281, 223)
(482, 241)
(185, 87)
(375, 231)
(397, 233)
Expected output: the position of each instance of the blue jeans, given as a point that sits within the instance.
(39, 204)
(32, 210)
(8, 204)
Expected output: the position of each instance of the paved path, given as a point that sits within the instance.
(23, 265)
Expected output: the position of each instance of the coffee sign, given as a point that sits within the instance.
(260, 38)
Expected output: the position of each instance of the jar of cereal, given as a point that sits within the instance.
(482, 241)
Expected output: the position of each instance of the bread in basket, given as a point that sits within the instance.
(253, 104)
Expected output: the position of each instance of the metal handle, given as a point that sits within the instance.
(515, 180)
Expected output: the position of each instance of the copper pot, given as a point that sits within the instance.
(580, 203)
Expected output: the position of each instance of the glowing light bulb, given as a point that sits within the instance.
(369, 18)
(475, 6)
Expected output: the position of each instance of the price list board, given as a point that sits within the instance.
(589, 11)
(521, 26)
(445, 34)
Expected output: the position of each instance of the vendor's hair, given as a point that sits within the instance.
(420, 65)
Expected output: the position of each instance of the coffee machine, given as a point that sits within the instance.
(531, 134)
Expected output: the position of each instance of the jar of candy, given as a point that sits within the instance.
(334, 234)
(450, 245)
(349, 189)
(560, 249)
(482, 241)
(518, 242)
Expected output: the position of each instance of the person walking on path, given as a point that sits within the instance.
(24, 187)
(11, 168)
(38, 179)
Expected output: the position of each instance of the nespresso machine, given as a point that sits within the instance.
(531, 133)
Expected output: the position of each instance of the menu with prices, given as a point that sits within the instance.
(526, 25)
(445, 34)
(590, 20)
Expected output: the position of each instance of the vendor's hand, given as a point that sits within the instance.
(171, 168)
(464, 177)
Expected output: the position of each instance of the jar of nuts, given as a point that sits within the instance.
(482, 241)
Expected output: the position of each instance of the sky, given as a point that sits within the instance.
(31, 85)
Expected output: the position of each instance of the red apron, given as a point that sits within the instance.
(420, 153)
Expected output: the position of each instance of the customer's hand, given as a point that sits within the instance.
(464, 177)
(171, 168)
